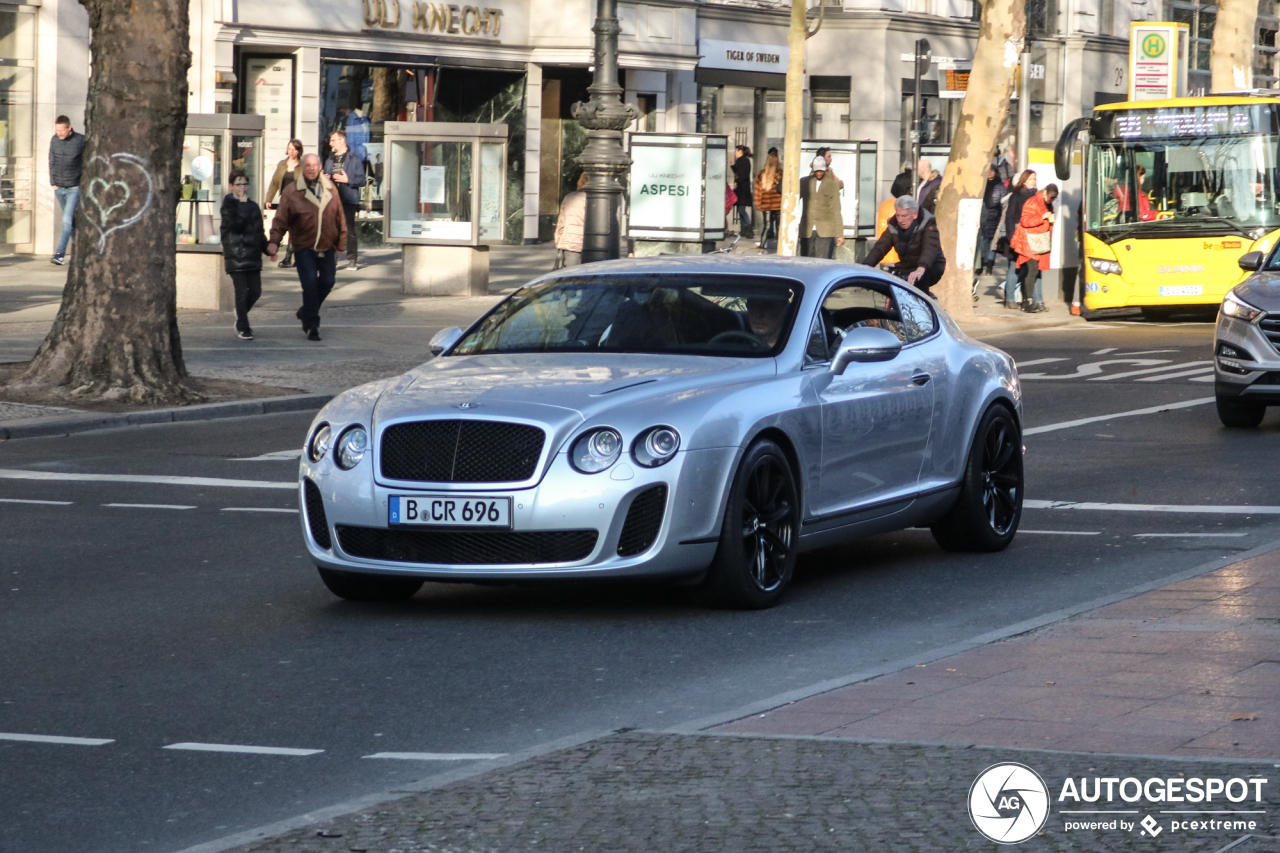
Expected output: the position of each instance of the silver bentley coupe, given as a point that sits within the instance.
(701, 420)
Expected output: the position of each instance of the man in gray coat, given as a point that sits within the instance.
(821, 222)
(66, 161)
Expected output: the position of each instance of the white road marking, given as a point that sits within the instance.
(1150, 351)
(1022, 364)
(1062, 532)
(25, 501)
(151, 506)
(1094, 368)
(438, 756)
(1181, 508)
(1208, 378)
(70, 741)
(1151, 410)
(256, 509)
(1188, 535)
(231, 747)
(277, 456)
(17, 474)
(1104, 350)
(1186, 364)
(1179, 375)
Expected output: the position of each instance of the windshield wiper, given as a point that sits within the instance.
(1198, 220)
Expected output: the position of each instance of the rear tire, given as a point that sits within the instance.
(757, 555)
(985, 516)
(354, 586)
(1240, 415)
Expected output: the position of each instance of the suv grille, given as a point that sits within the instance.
(461, 451)
(640, 530)
(492, 547)
(316, 520)
(1270, 326)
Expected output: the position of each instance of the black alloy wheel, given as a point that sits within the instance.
(986, 514)
(757, 555)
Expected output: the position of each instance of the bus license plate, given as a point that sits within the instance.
(1183, 290)
(449, 511)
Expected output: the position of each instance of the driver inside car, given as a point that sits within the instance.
(765, 316)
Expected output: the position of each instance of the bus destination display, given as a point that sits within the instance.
(1172, 122)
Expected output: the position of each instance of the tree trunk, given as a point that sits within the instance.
(386, 95)
(1231, 57)
(790, 226)
(116, 335)
(982, 116)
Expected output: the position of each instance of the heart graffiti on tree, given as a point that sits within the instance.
(118, 195)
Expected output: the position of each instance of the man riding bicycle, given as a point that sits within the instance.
(913, 234)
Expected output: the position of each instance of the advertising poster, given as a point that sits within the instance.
(666, 192)
(269, 93)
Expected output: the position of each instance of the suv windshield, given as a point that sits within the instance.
(695, 314)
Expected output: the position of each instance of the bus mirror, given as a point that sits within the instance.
(1062, 151)
(1251, 261)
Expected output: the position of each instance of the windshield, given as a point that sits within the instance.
(711, 315)
(1227, 182)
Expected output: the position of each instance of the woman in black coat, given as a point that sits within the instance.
(244, 241)
(743, 182)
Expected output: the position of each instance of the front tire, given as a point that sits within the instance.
(987, 512)
(1240, 415)
(354, 586)
(757, 555)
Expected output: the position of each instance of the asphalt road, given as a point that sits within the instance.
(149, 614)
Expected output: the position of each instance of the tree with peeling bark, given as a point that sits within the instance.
(1231, 56)
(789, 227)
(982, 115)
(116, 334)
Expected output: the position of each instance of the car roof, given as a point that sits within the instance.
(811, 272)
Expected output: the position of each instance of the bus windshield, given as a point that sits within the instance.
(1227, 182)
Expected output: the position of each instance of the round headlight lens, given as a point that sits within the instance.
(596, 451)
(320, 442)
(657, 446)
(352, 445)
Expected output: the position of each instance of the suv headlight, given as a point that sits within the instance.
(351, 447)
(595, 451)
(1105, 266)
(1234, 306)
(656, 446)
(320, 442)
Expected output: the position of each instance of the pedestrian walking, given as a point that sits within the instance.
(285, 170)
(913, 234)
(1022, 190)
(66, 162)
(1033, 241)
(244, 242)
(742, 183)
(310, 212)
(821, 222)
(346, 169)
(930, 179)
(992, 206)
(571, 225)
(768, 198)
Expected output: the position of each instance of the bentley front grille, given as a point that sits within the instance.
(463, 451)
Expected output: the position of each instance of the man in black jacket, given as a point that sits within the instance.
(346, 169)
(66, 161)
(913, 234)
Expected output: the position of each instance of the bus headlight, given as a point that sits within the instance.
(1105, 266)
(1234, 306)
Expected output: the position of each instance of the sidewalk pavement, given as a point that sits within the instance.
(1181, 681)
(370, 328)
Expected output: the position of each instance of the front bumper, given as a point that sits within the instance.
(563, 500)
(1255, 376)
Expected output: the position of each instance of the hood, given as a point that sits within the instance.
(1261, 290)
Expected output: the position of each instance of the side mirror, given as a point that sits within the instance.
(444, 339)
(1251, 261)
(865, 345)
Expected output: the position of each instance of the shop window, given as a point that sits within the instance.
(1042, 17)
(562, 141)
(647, 109)
(708, 109)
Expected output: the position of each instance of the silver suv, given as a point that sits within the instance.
(1246, 345)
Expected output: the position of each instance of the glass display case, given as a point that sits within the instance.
(17, 105)
(214, 145)
(855, 164)
(678, 187)
(446, 183)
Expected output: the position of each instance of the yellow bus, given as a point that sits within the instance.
(1175, 191)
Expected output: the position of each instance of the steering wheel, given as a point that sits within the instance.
(740, 336)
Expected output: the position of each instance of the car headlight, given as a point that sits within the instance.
(656, 446)
(352, 445)
(1105, 266)
(320, 442)
(595, 451)
(1234, 306)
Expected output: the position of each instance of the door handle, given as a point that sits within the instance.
(920, 377)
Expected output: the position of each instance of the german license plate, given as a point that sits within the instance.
(1183, 290)
(449, 511)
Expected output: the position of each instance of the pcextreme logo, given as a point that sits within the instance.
(1010, 803)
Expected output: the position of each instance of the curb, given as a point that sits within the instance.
(43, 427)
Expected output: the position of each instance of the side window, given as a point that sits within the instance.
(864, 304)
(917, 318)
(818, 349)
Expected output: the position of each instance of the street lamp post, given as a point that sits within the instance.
(604, 117)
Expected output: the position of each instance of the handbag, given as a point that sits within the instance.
(1040, 243)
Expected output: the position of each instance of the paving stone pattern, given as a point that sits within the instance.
(651, 792)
